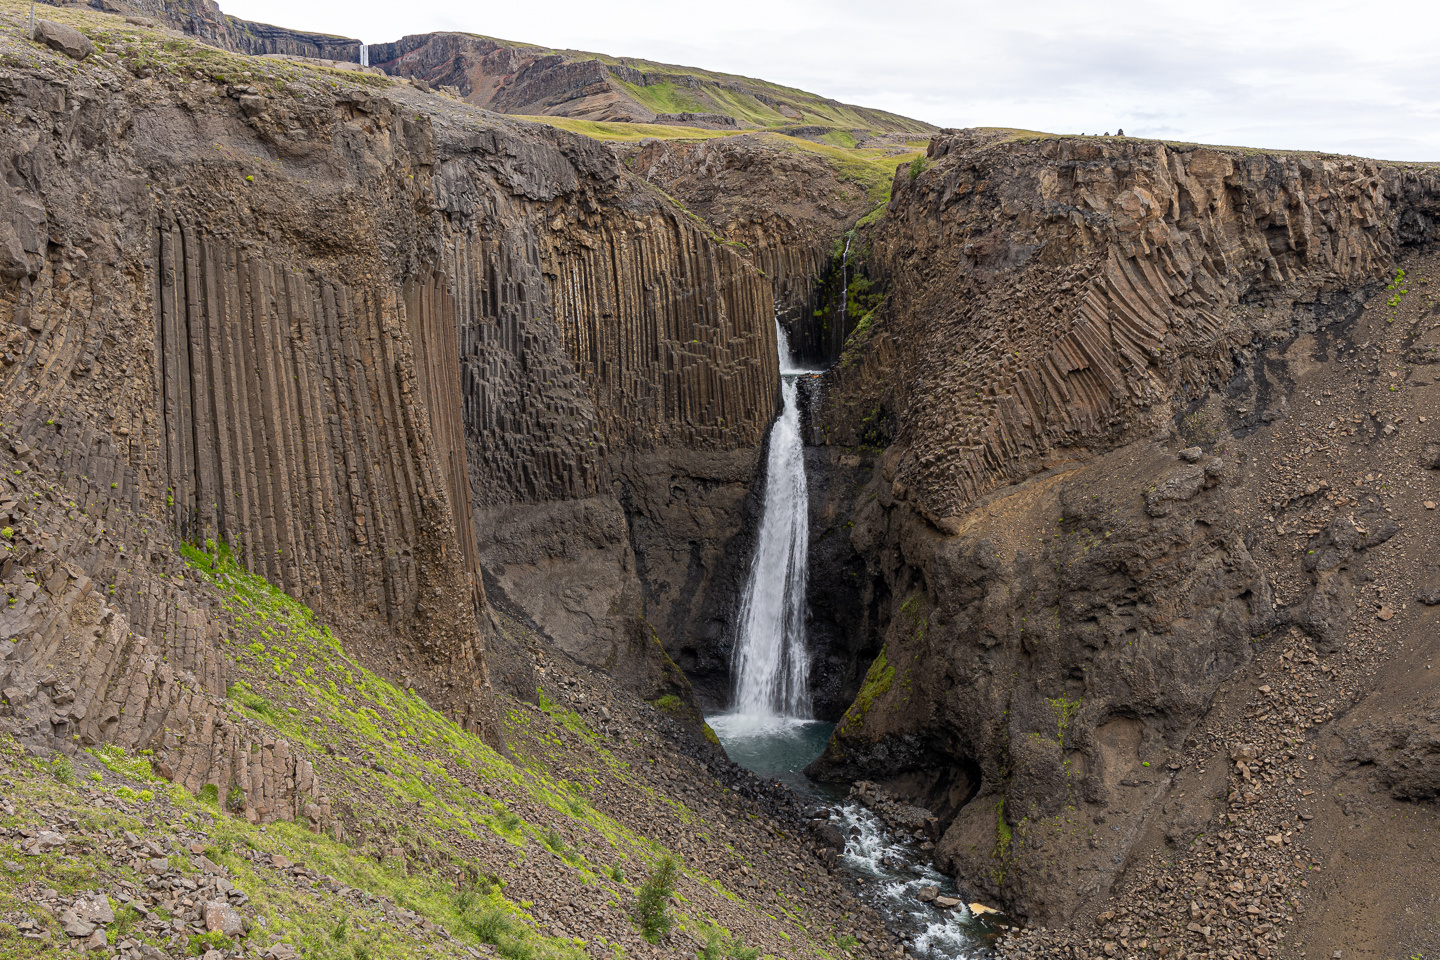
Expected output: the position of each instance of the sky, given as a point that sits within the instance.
(1332, 75)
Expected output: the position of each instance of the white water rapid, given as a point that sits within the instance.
(771, 664)
(364, 55)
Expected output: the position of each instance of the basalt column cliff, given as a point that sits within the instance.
(1062, 597)
(377, 352)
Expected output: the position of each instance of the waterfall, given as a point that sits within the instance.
(771, 664)
(364, 55)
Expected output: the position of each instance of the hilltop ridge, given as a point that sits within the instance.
(525, 79)
(528, 79)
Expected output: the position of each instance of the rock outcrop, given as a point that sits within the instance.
(1060, 595)
(1075, 292)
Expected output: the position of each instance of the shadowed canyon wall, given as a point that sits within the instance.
(784, 210)
(617, 377)
(1058, 594)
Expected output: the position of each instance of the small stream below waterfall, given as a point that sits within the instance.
(769, 729)
(888, 867)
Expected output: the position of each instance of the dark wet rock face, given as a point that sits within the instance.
(1033, 661)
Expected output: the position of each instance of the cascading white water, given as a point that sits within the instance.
(769, 729)
(364, 55)
(771, 663)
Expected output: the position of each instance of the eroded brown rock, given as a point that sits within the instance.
(1061, 547)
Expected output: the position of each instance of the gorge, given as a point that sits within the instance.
(410, 496)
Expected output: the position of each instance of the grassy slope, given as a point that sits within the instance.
(165, 53)
(422, 784)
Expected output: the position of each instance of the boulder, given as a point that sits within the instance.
(95, 909)
(830, 836)
(67, 40)
(43, 842)
(220, 916)
(74, 925)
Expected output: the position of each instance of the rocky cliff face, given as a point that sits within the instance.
(379, 346)
(618, 376)
(204, 20)
(783, 208)
(510, 78)
(1060, 595)
(1092, 287)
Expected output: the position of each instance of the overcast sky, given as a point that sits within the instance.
(1333, 75)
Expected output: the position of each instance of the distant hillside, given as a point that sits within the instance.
(524, 79)
(528, 80)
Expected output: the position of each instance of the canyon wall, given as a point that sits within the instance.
(204, 349)
(618, 377)
(1058, 593)
(783, 209)
(379, 348)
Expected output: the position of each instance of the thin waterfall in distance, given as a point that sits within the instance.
(771, 662)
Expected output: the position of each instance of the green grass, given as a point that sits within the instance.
(675, 89)
(626, 132)
(182, 58)
(307, 918)
(666, 98)
(840, 138)
(294, 677)
(877, 681)
(872, 169)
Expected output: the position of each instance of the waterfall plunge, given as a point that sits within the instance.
(771, 663)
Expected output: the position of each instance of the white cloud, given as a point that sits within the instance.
(1324, 75)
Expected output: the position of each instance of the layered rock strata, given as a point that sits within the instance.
(204, 20)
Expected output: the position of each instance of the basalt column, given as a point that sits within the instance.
(673, 336)
(297, 429)
(614, 392)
